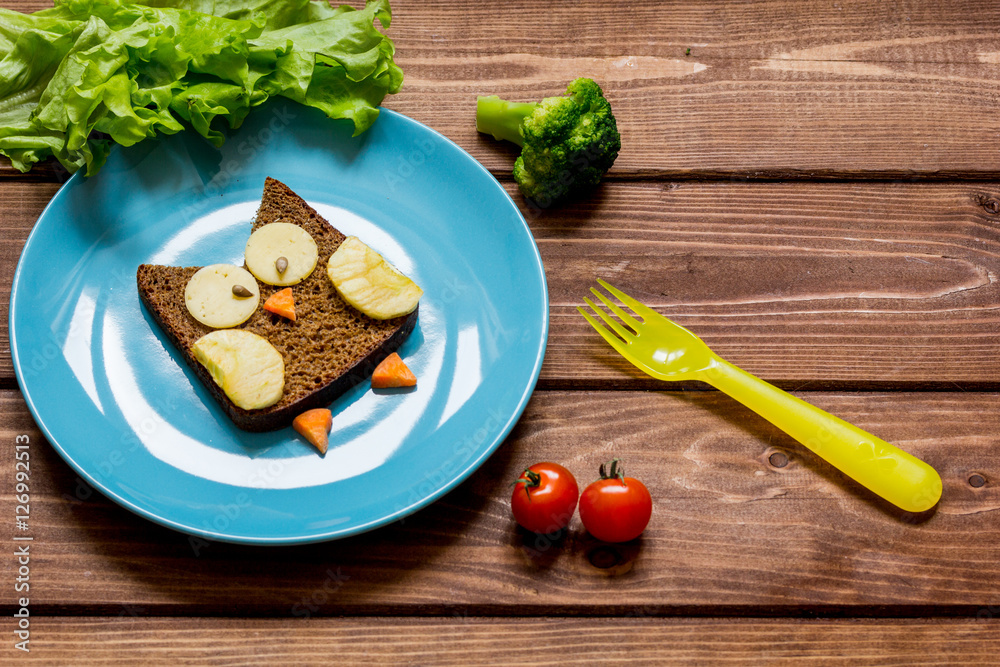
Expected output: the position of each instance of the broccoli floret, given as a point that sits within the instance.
(568, 143)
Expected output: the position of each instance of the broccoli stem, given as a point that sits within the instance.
(501, 118)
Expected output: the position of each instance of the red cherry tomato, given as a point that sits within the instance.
(615, 508)
(544, 498)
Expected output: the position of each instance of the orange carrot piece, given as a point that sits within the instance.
(314, 426)
(392, 372)
(282, 303)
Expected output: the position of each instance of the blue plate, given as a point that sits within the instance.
(115, 399)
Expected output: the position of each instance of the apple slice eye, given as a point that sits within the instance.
(282, 254)
(221, 296)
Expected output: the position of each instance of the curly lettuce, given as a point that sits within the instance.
(86, 73)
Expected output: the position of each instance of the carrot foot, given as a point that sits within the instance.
(314, 426)
(392, 372)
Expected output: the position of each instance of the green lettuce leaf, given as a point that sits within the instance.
(85, 73)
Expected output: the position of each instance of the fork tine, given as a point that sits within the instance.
(638, 307)
(622, 315)
(605, 334)
(618, 329)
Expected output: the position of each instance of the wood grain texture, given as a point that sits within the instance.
(22, 203)
(479, 641)
(842, 280)
(816, 285)
(834, 285)
(774, 89)
(732, 534)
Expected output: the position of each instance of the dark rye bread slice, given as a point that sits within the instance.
(330, 347)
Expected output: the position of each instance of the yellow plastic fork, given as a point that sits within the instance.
(668, 351)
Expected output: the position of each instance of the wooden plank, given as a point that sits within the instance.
(478, 641)
(822, 285)
(768, 88)
(735, 530)
(22, 204)
(774, 89)
(774, 118)
(819, 285)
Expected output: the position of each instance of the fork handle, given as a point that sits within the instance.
(888, 471)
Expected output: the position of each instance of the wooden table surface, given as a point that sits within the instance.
(814, 187)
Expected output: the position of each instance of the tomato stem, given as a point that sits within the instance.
(617, 470)
(530, 479)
